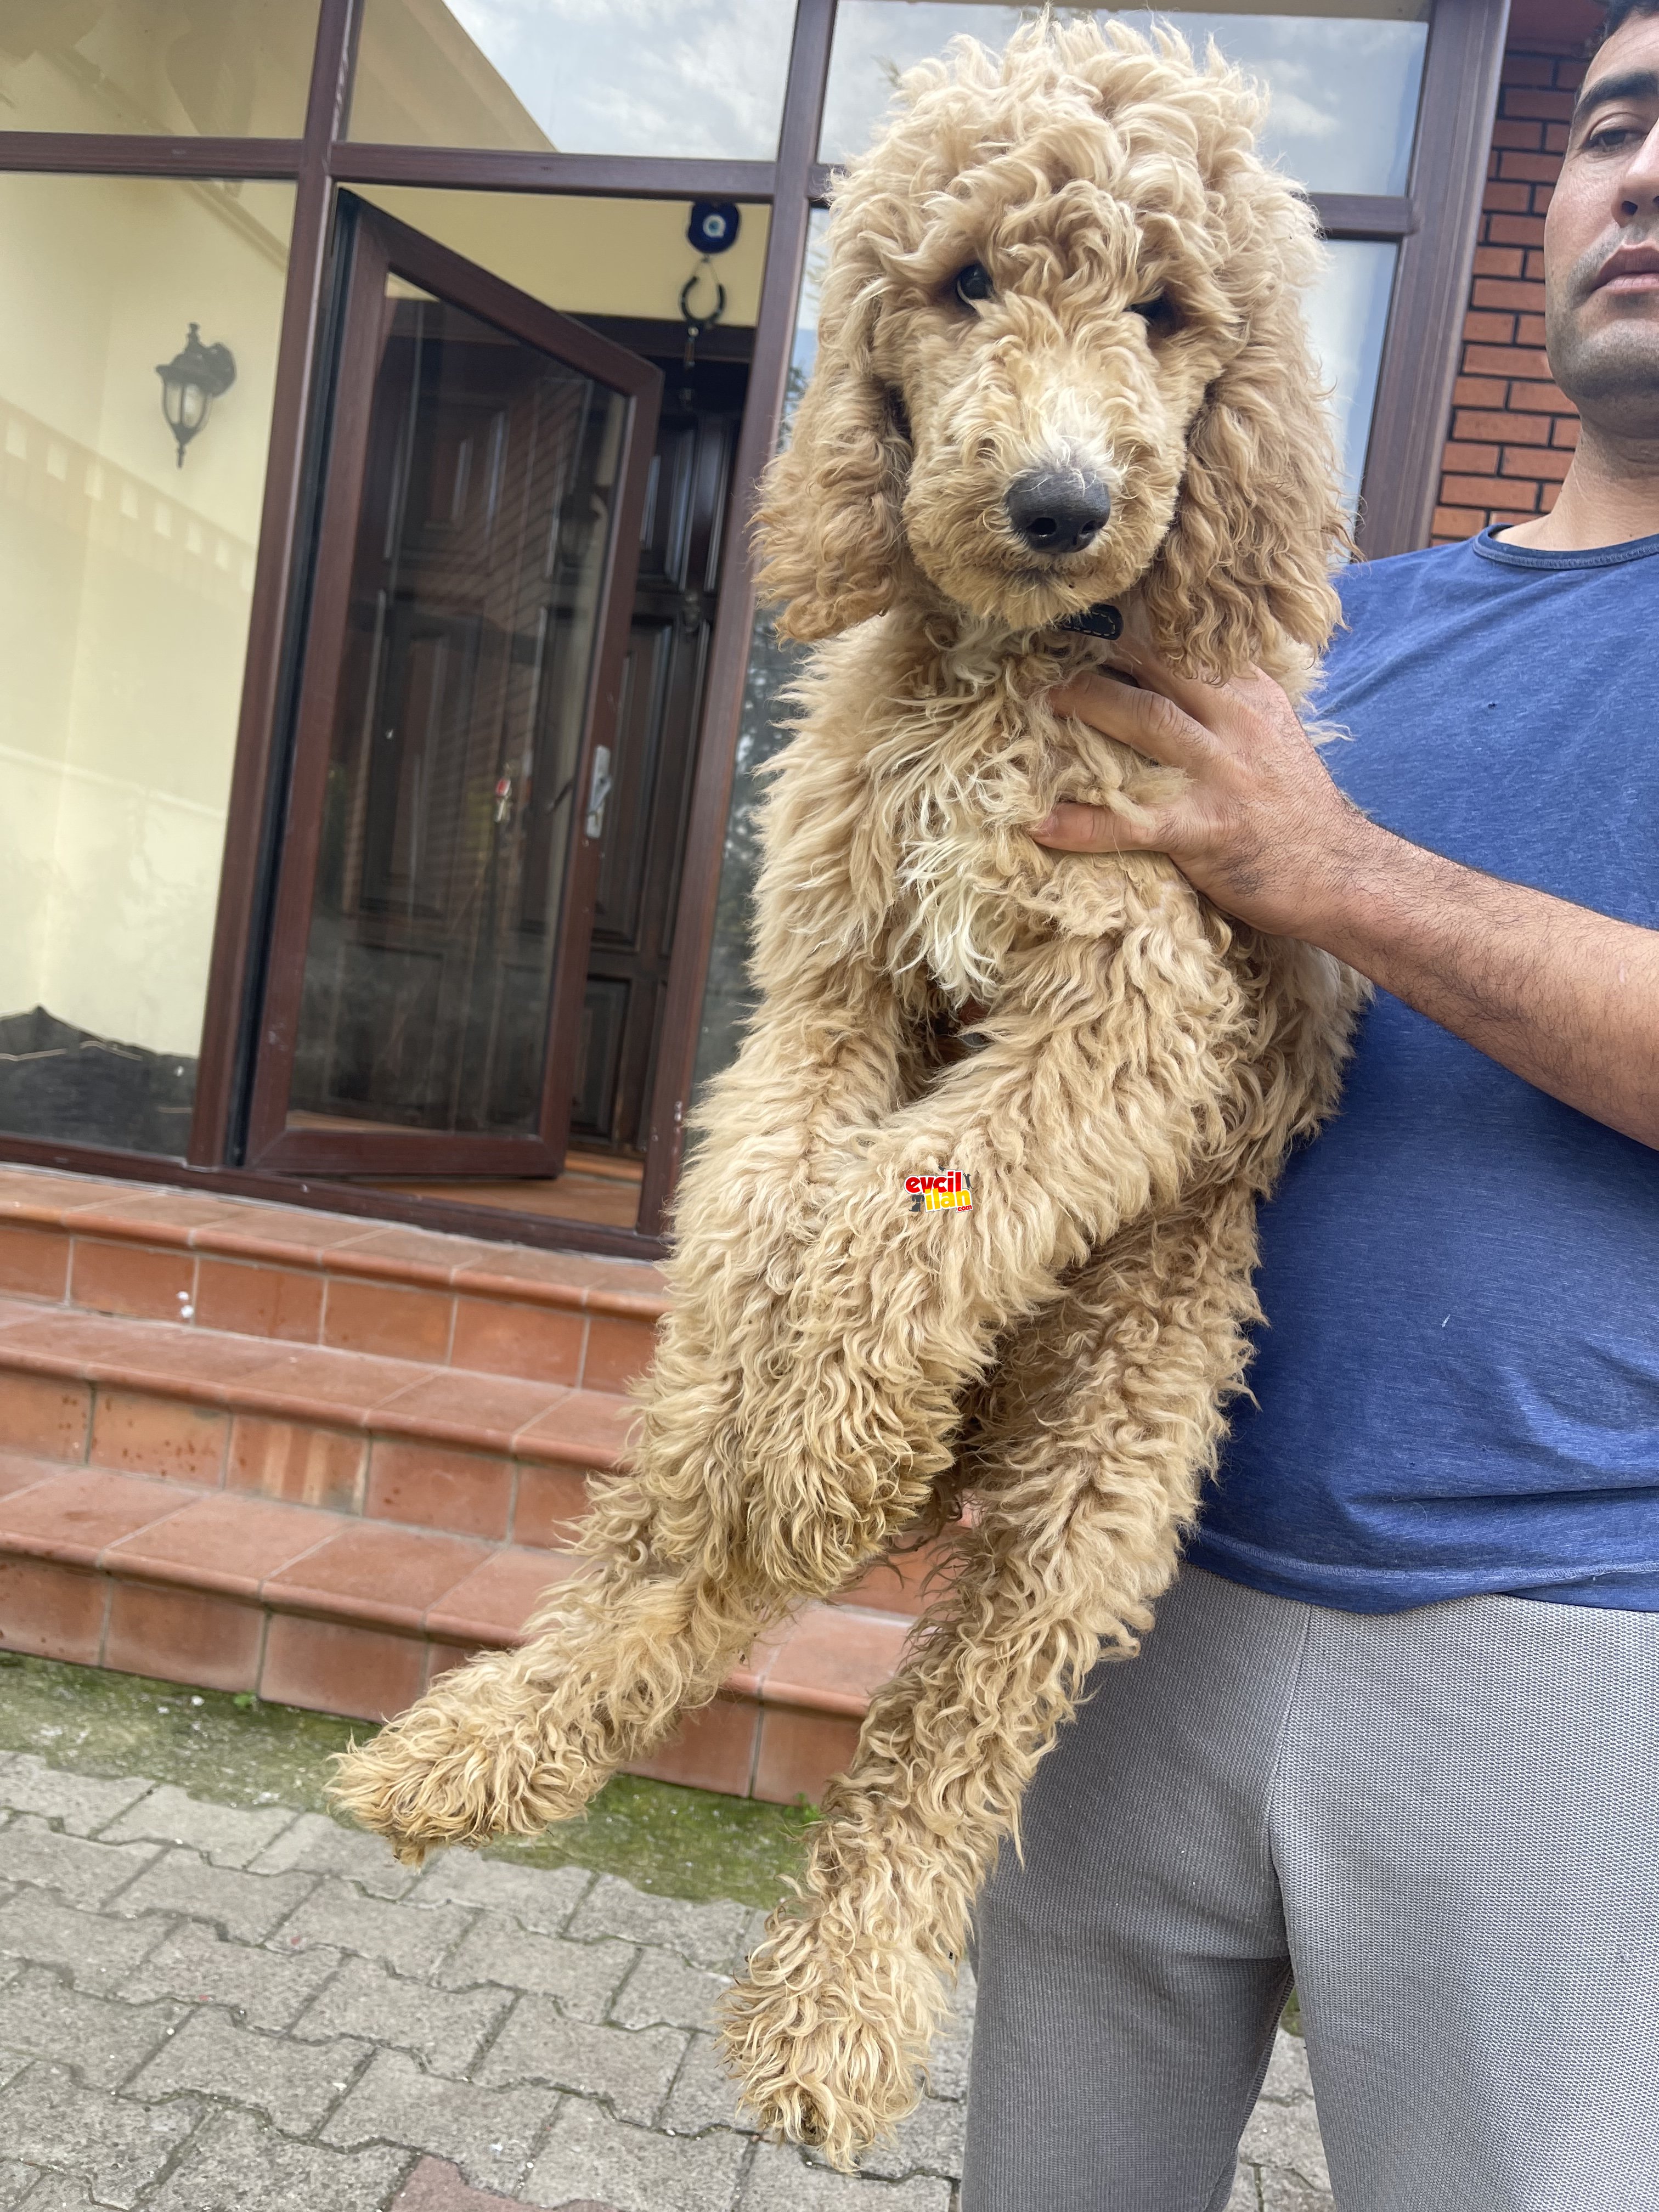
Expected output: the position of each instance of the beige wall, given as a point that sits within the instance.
(125, 586)
(589, 257)
(228, 68)
(421, 80)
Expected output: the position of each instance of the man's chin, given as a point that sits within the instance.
(1610, 371)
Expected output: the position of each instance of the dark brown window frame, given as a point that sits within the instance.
(1435, 223)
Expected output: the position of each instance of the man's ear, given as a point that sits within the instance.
(829, 526)
(1243, 575)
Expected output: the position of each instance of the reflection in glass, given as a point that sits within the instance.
(1344, 75)
(447, 825)
(1347, 314)
(728, 996)
(125, 583)
(214, 69)
(700, 79)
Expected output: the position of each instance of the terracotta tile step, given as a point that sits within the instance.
(491, 1456)
(305, 1278)
(494, 1458)
(309, 1608)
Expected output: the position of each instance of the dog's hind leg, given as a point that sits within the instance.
(1103, 1081)
(1103, 1422)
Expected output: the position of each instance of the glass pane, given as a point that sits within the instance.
(728, 996)
(473, 619)
(125, 577)
(1348, 315)
(213, 68)
(588, 257)
(1344, 75)
(700, 79)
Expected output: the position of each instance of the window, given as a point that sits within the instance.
(126, 574)
(1343, 76)
(728, 996)
(232, 69)
(131, 613)
(691, 78)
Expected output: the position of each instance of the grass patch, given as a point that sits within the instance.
(674, 1842)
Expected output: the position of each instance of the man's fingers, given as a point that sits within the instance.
(1148, 721)
(1074, 827)
(1197, 700)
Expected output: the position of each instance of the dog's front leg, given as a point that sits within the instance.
(1104, 1077)
(673, 1595)
(1103, 1421)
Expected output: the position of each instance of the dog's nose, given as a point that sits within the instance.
(1057, 510)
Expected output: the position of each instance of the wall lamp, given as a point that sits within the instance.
(191, 382)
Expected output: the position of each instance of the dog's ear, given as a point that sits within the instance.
(1244, 573)
(829, 525)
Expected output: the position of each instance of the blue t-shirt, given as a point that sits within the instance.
(1458, 1388)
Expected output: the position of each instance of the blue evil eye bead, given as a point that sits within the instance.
(714, 225)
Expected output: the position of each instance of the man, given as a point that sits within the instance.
(1397, 1729)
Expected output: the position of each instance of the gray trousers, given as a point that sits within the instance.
(1444, 1824)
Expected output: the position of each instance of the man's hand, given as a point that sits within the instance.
(1565, 997)
(1261, 828)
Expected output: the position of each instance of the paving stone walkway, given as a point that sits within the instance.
(207, 2008)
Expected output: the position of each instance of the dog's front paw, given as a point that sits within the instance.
(825, 2041)
(473, 1761)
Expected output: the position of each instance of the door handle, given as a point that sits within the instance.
(598, 791)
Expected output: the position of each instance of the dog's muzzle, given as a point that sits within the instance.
(1057, 510)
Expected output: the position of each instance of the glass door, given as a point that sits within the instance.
(480, 533)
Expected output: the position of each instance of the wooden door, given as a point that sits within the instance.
(487, 474)
(680, 552)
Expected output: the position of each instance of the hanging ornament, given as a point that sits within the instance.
(712, 228)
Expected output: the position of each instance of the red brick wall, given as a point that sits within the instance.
(1512, 433)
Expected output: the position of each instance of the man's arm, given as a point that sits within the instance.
(1566, 997)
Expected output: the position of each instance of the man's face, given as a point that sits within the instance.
(1602, 242)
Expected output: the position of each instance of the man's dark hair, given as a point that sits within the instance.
(1620, 12)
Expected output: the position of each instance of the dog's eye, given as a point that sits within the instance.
(1157, 313)
(972, 283)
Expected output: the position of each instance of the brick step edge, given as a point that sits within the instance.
(305, 1278)
(227, 1373)
(305, 1608)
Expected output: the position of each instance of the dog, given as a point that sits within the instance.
(1062, 368)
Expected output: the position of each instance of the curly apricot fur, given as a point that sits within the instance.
(836, 1369)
